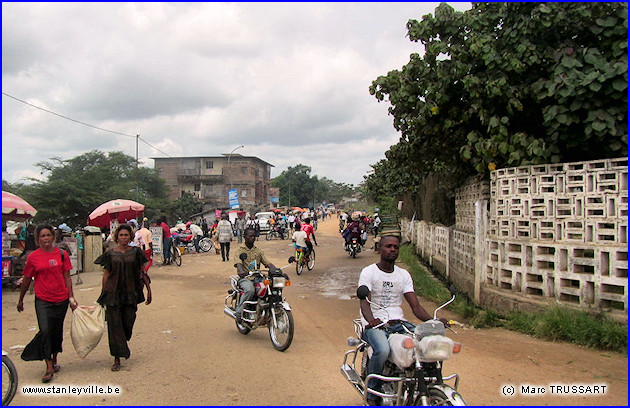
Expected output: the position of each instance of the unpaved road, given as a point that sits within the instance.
(185, 351)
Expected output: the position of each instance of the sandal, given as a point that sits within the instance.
(48, 376)
(116, 367)
(56, 368)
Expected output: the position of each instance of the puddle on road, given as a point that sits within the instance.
(340, 282)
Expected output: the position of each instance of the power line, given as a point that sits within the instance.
(83, 123)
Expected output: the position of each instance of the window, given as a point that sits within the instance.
(209, 164)
(244, 170)
(197, 186)
(243, 193)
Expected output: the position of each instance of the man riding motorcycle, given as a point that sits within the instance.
(353, 230)
(255, 257)
(388, 284)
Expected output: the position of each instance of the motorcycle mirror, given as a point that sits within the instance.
(242, 256)
(363, 292)
(291, 259)
(452, 289)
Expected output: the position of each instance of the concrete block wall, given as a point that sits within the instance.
(555, 233)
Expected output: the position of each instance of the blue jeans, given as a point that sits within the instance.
(166, 251)
(248, 293)
(377, 339)
(196, 242)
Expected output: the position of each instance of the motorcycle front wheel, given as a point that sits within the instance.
(205, 244)
(268, 237)
(436, 398)
(9, 380)
(281, 332)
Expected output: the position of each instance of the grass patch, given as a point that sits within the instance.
(556, 323)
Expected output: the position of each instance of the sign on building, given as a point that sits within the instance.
(233, 199)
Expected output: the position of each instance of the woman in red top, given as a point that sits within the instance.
(53, 292)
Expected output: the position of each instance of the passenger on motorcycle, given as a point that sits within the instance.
(255, 257)
(353, 230)
(310, 232)
(388, 284)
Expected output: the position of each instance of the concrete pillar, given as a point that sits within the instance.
(481, 226)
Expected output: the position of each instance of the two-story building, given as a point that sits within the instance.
(210, 177)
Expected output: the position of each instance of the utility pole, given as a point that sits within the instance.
(137, 186)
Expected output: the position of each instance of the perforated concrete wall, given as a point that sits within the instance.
(553, 232)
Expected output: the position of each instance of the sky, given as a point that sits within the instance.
(288, 81)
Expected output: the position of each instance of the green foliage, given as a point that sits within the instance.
(556, 323)
(186, 206)
(506, 84)
(299, 189)
(75, 187)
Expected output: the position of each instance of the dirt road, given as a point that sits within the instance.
(185, 351)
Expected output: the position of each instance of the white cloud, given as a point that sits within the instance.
(287, 80)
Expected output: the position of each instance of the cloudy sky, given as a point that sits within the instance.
(289, 81)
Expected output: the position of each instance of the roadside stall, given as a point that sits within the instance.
(14, 209)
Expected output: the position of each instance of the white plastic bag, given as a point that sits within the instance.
(88, 325)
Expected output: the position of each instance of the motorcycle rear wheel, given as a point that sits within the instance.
(205, 244)
(243, 329)
(281, 333)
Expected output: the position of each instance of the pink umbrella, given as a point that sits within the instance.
(15, 208)
(119, 209)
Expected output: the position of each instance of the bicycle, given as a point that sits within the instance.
(9, 379)
(176, 256)
(300, 260)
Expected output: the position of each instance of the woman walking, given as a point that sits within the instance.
(50, 266)
(123, 279)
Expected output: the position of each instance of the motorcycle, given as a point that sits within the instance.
(277, 232)
(413, 372)
(354, 247)
(268, 308)
(9, 379)
(186, 239)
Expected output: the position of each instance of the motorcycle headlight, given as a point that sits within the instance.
(279, 282)
(434, 348)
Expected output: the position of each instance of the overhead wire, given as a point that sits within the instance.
(85, 124)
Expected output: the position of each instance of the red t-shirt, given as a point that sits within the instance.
(308, 228)
(166, 231)
(47, 269)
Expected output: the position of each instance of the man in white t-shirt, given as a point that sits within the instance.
(388, 285)
(300, 237)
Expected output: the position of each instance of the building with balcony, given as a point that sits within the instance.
(210, 177)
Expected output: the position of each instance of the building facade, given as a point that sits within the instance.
(210, 177)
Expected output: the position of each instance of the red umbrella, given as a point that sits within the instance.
(15, 208)
(119, 209)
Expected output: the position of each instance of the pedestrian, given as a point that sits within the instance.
(240, 228)
(225, 232)
(50, 267)
(144, 238)
(197, 234)
(123, 279)
(167, 240)
(204, 226)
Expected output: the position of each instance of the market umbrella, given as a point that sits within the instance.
(16, 208)
(119, 209)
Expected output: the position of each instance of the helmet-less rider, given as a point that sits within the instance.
(255, 257)
(388, 284)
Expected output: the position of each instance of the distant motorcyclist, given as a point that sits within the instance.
(353, 230)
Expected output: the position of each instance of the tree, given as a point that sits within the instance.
(299, 189)
(506, 84)
(186, 206)
(75, 187)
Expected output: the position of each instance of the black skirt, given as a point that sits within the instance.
(50, 318)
